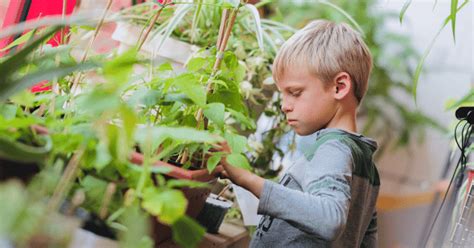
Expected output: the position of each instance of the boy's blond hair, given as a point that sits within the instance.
(326, 48)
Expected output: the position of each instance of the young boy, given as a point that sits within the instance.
(327, 197)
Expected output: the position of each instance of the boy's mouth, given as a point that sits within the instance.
(291, 121)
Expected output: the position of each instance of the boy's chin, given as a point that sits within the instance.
(302, 132)
(306, 130)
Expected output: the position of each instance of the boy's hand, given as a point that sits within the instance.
(239, 176)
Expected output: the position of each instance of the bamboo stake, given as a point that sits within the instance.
(225, 16)
(70, 172)
(223, 190)
(89, 45)
(150, 27)
(63, 30)
(109, 193)
(225, 30)
(96, 32)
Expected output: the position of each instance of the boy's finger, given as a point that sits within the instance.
(217, 170)
(222, 146)
(224, 175)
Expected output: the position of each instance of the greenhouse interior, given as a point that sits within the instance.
(236, 123)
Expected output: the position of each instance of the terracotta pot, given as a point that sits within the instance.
(26, 167)
(196, 196)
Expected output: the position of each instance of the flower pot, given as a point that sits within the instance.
(20, 160)
(196, 196)
(213, 213)
(85, 239)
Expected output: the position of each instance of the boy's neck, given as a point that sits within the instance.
(345, 120)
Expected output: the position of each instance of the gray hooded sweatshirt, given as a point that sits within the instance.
(326, 198)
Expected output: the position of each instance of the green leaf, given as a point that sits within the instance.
(238, 160)
(137, 223)
(196, 64)
(24, 98)
(178, 16)
(130, 120)
(8, 111)
(213, 161)
(188, 85)
(246, 121)
(22, 39)
(154, 169)
(180, 134)
(427, 51)
(99, 100)
(454, 8)
(466, 100)
(230, 97)
(196, 20)
(230, 4)
(345, 14)
(168, 205)
(45, 74)
(17, 60)
(236, 142)
(94, 189)
(215, 112)
(21, 152)
(173, 183)
(14, 199)
(165, 67)
(118, 70)
(404, 9)
(258, 25)
(187, 232)
(219, 82)
(102, 157)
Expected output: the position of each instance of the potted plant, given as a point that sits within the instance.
(93, 133)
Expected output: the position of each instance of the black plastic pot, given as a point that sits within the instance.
(213, 213)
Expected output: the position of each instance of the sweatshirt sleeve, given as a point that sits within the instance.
(323, 206)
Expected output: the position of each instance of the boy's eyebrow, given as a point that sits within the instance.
(292, 88)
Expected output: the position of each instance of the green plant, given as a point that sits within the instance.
(116, 111)
(455, 7)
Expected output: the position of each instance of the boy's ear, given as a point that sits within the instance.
(342, 85)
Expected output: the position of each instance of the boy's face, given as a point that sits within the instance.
(307, 104)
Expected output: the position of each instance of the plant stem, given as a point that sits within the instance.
(223, 191)
(109, 193)
(225, 16)
(220, 54)
(96, 32)
(63, 30)
(64, 184)
(89, 45)
(225, 31)
(150, 27)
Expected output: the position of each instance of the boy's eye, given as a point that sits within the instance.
(295, 93)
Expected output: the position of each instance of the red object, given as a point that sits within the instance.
(12, 16)
(41, 8)
(37, 9)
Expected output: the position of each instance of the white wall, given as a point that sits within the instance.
(447, 74)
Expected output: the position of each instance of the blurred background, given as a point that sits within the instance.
(416, 138)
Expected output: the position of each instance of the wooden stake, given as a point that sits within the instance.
(64, 184)
(150, 27)
(77, 77)
(109, 193)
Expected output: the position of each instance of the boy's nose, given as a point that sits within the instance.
(285, 108)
